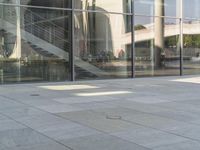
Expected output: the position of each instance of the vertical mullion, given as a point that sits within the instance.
(181, 37)
(132, 40)
(72, 67)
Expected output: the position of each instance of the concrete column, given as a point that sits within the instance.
(159, 32)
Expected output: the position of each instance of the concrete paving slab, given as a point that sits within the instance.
(101, 142)
(2, 117)
(39, 101)
(7, 103)
(48, 146)
(143, 118)
(148, 137)
(180, 106)
(154, 121)
(58, 108)
(8, 124)
(151, 113)
(22, 112)
(187, 145)
(180, 115)
(75, 100)
(92, 105)
(66, 132)
(187, 130)
(21, 137)
(97, 121)
(43, 121)
(136, 106)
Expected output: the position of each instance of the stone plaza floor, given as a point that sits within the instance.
(125, 114)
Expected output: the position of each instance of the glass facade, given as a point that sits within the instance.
(170, 8)
(157, 52)
(101, 46)
(119, 6)
(35, 44)
(67, 40)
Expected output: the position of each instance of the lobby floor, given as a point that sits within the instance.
(160, 113)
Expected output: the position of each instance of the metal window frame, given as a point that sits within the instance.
(72, 56)
(181, 39)
(133, 39)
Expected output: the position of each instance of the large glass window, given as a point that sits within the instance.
(102, 46)
(37, 39)
(48, 3)
(34, 44)
(191, 52)
(43, 3)
(120, 6)
(156, 46)
(191, 9)
(151, 7)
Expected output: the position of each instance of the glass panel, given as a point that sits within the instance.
(102, 46)
(9, 66)
(191, 8)
(191, 31)
(35, 44)
(153, 7)
(156, 46)
(10, 1)
(48, 3)
(119, 6)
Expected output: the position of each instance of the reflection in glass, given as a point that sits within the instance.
(191, 9)
(157, 50)
(48, 3)
(120, 6)
(148, 7)
(34, 44)
(191, 55)
(101, 46)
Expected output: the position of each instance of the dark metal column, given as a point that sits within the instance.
(72, 66)
(181, 37)
(132, 39)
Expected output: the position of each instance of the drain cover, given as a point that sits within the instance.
(113, 117)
